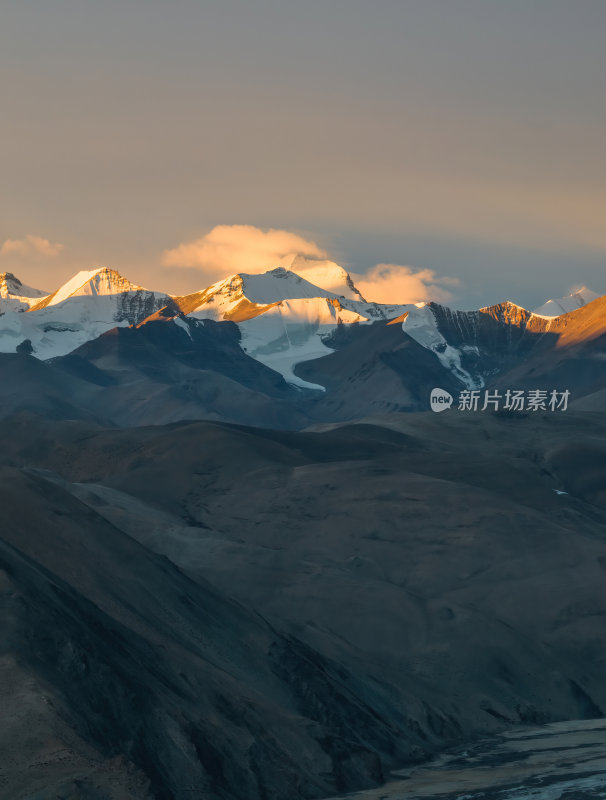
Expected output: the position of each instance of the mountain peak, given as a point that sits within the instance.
(14, 295)
(254, 289)
(98, 282)
(506, 305)
(327, 275)
(563, 305)
(8, 279)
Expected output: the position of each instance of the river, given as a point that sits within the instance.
(559, 761)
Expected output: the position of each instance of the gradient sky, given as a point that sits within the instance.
(464, 137)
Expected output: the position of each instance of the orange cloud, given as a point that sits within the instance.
(30, 246)
(393, 283)
(227, 249)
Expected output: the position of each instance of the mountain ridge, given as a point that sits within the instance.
(297, 329)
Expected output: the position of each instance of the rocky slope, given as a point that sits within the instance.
(505, 344)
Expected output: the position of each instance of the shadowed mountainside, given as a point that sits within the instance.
(510, 347)
(173, 368)
(340, 601)
(375, 369)
(181, 688)
(154, 374)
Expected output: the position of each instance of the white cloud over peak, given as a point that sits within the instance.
(30, 246)
(227, 249)
(394, 283)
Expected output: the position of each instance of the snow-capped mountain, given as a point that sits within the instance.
(475, 345)
(86, 306)
(327, 275)
(577, 299)
(15, 296)
(244, 296)
(479, 346)
(103, 282)
(283, 317)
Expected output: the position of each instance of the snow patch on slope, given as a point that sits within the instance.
(293, 331)
(420, 324)
(182, 324)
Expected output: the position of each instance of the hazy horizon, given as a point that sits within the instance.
(459, 140)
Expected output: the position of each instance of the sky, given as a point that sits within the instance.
(456, 144)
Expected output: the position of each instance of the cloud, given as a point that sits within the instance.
(227, 249)
(393, 283)
(30, 246)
